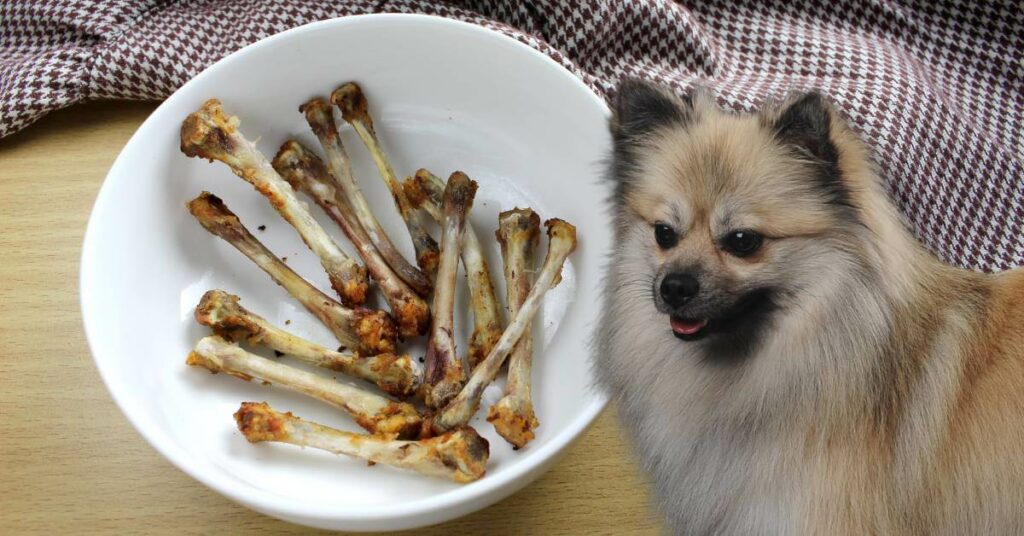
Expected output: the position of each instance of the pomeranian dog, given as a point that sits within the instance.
(785, 355)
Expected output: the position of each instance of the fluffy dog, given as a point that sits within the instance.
(787, 358)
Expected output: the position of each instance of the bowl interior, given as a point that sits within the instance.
(444, 96)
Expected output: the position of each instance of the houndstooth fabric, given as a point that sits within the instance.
(934, 87)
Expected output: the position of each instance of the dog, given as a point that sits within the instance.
(785, 356)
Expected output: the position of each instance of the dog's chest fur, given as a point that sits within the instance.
(736, 449)
(703, 470)
(713, 475)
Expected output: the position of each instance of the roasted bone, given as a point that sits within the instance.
(513, 415)
(307, 173)
(349, 98)
(210, 133)
(444, 374)
(460, 455)
(376, 414)
(425, 191)
(370, 332)
(395, 375)
(321, 119)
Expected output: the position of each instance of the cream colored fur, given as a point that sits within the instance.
(887, 396)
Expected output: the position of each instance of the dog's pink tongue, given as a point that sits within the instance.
(687, 327)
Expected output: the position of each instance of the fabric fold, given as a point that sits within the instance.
(935, 88)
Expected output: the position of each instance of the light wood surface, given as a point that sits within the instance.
(71, 463)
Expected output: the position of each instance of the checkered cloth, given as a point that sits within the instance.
(934, 86)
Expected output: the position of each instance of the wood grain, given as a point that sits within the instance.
(71, 463)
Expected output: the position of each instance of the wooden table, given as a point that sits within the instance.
(71, 463)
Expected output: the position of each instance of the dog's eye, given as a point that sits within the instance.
(665, 236)
(741, 243)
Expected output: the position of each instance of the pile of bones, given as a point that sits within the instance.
(423, 425)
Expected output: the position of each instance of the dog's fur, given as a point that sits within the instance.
(854, 384)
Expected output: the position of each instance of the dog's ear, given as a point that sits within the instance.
(806, 125)
(641, 107)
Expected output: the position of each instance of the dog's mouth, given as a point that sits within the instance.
(742, 319)
(688, 329)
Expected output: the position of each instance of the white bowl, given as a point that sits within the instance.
(445, 96)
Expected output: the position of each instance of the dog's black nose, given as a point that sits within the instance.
(677, 289)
